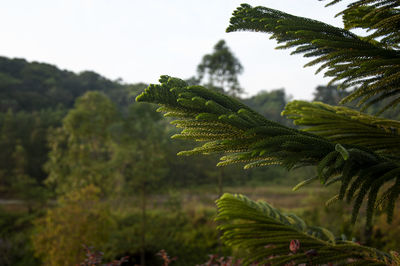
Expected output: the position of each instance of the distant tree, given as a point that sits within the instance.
(23, 185)
(193, 80)
(24, 133)
(33, 86)
(118, 152)
(269, 104)
(329, 94)
(138, 157)
(81, 149)
(79, 218)
(222, 69)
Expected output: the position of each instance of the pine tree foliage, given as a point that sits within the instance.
(230, 128)
(266, 234)
(376, 16)
(381, 18)
(347, 126)
(356, 150)
(370, 65)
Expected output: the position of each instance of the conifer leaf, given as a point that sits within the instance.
(303, 183)
(347, 126)
(342, 151)
(272, 237)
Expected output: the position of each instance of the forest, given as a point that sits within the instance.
(92, 172)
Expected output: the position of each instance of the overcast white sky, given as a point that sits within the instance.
(139, 40)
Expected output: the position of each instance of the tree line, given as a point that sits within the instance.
(51, 118)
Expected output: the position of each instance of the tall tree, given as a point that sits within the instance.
(222, 69)
(358, 151)
(329, 94)
(81, 149)
(117, 152)
(138, 157)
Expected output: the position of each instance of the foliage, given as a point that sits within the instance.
(265, 233)
(187, 234)
(354, 61)
(354, 149)
(33, 125)
(23, 145)
(329, 94)
(15, 246)
(34, 99)
(222, 69)
(102, 139)
(79, 218)
(81, 149)
(227, 126)
(386, 235)
(32, 86)
(94, 258)
(138, 147)
(269, 104)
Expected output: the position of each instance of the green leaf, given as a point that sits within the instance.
(303, 183)
(342, 151)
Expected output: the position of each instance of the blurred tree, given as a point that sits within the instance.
(33, 86)
(269, 104)
(28, 131)
(329, 94)
(222, 69)
(116, 152)
(139, 157)
(81, 149)
(23, 185)
(79, 218)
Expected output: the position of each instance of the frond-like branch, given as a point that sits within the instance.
(344, 125)
(380, 17)
(355, 61)
(232, 129)
(271, 237)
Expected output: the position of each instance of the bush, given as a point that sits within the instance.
(79, 218)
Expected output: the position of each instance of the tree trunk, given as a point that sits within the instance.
(220, 182)
(143, 229)
(220, 192)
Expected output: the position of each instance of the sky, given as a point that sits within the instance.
(138, 40)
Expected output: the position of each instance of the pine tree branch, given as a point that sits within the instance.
(370, 65)
(274, 238)
(381, 17)
(344, 125)
(230, 128)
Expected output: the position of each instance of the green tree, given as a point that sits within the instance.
(139, 157)
(269, 104)
(79, 218)
(23, 138)
(23, 185)
(355, 150)
(329, 94)
(81, 149)
(222, 69)
(118, 152)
